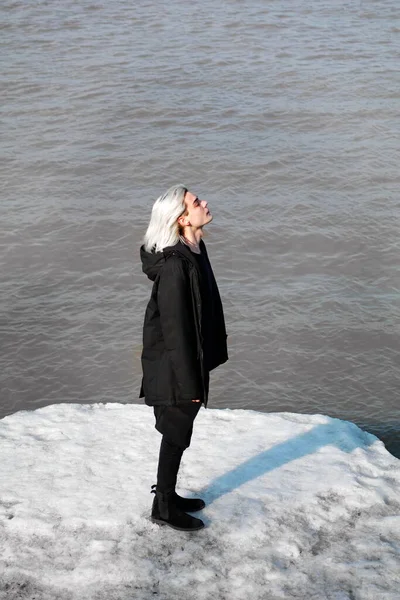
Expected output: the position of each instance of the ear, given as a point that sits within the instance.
(183, 221)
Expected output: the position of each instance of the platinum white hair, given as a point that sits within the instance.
(163, 229)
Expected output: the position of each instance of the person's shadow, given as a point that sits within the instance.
(347, 438)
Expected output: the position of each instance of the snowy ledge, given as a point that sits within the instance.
(298, 506)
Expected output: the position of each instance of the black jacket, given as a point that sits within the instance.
(172, 359)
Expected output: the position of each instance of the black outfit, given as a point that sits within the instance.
(184, 338)
(175, 360)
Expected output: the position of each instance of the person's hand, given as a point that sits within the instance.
(195, 400)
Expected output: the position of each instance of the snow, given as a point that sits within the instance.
(298, 506)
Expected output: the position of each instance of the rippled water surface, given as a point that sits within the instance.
(285, 116)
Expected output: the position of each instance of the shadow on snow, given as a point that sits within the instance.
(347, 439)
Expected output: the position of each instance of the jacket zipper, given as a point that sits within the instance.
(200, 354)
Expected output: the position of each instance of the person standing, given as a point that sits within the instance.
(184, 338)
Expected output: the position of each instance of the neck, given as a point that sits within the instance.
(192, 238)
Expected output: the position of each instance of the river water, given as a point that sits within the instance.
(284, 116)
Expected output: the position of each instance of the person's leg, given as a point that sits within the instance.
(176, 425)
(165, 509)
(168, 465)
(168, 507)
(176, 422)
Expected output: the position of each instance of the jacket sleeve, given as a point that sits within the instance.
(179, 328)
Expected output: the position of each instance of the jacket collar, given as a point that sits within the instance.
(182, 249)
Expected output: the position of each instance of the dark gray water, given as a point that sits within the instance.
(285, 116)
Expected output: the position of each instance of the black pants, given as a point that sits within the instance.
(175, 423)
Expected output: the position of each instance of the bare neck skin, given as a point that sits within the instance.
(192, 237)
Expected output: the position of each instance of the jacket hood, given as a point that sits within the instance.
(151, 262)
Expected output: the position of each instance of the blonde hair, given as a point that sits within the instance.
(163, 229)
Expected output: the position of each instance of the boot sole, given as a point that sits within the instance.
(161, 522)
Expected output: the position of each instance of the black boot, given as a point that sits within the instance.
(185, 504)
(188, 504)
(165, 512)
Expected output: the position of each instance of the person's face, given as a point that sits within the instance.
(197, 211)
